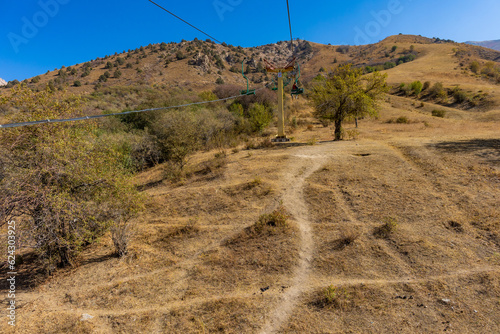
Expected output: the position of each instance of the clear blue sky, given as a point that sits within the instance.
(41, 35)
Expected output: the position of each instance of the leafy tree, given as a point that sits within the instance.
(346, 93)
(63, 182)
(117, 74)
(108, 65)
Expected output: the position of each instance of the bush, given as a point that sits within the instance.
(459, 95)
(179, 55)
(389, 65)
(475, 67)
(272, 222)
(259, 117)
(219, 81)
(416, 87)
(437, 91)
(77, 83)
(177, 136)
(438, 113)
(384, 231)
(66, 184)
(121, 233)
(117, 74)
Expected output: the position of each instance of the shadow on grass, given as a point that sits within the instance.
(488, 149)
(31, 273)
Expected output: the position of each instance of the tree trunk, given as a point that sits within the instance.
(338, 129)
(356, 120)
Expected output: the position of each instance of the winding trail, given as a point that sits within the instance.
(306, 161)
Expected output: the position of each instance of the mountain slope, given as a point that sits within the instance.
(495, 44)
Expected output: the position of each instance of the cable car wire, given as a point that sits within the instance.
(290, 24)
(185, 21)
(83, 118)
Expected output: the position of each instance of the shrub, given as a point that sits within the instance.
(271, 222)
(207, 96)
(117, 74)
(394, 48)
(402, 120)
(259, 117)
(437, 91)
(384, 231)
(416, 87)
(219, 81)
(65, 182)
(177, 136)
(459, 95)
(389, 65)
(77, 83)
(121, 233)
(475, 67)
(36, 79)
(438, 113)
(179, 55)
(427, 85)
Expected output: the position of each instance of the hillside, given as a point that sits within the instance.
(495, 45)
(394, 230)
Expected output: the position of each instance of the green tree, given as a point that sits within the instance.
(64, 183)
(345, 94)
(117, 74)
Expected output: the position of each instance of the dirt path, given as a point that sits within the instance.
(305, 162)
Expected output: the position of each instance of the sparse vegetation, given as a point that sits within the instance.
(439, 113)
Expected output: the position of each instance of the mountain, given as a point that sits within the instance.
(495, 45)
(3, 82)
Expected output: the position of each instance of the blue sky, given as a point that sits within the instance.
(41, 35)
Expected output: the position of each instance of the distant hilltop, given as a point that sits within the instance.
(3, 82)
(495, 45)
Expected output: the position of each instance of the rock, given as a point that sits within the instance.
(86, 317)
(445, 301)
(264, 289)
(3, 82)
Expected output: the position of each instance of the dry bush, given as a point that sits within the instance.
(387, 229)
(438, 113)
(271, 223)
(347, 237)
(121, 234)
